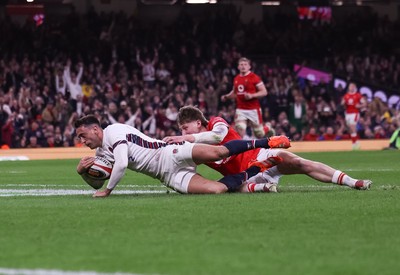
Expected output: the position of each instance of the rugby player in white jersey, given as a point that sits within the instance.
(173, 164)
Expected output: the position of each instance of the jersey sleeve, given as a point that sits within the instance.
(217, 130)
(120, 152)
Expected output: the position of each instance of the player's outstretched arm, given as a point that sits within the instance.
(118, 171)
(177, 139)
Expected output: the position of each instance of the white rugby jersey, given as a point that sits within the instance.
(125, 146)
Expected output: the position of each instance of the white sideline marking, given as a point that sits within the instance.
(13, 172)
(372, 170)
(64, 192)
(12, 271)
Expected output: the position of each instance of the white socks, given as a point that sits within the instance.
(341, 178)
(255, 187)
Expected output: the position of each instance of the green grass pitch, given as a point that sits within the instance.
(307, 228)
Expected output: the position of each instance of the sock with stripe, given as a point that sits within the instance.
(255, 187)
(233, 182)
(239, 146)
(354, 138)
(341, 178)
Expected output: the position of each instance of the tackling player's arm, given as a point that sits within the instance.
(121, 163)
(215, 136)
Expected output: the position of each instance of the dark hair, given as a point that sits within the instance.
(190, 113)
(86, 121)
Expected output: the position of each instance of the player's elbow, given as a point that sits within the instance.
(217, 139)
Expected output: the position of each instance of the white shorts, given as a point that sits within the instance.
(262, 155)
(352, 118)
(177, 166)
(254, 116)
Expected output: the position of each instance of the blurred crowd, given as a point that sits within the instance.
(126, 70)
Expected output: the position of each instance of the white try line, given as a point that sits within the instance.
(66, 192)
(12, 271)
(78, 185)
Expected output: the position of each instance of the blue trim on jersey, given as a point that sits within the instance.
(116, 144)
(144, 143)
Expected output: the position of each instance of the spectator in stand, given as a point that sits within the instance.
(73, 81)
(248, 88)
(297, 113)
(329, 135)
(37, 108)
(311, 135)
(50, 113)
(162, 74)
(148, 68)
(36, 130)
(7, 131)
(379, 132)
(60, 82)
(33, 142)
(353, 102)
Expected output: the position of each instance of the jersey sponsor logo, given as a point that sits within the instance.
(240, 88)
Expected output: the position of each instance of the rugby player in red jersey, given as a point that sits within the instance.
(353, 102)
(196, 128)
(247, 89)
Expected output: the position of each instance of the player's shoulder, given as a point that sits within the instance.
(217, 120)
(254, 76)
(118, 131)
(112, 128)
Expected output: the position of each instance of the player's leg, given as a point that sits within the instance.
(200, 185)
(294, 164)
(253, 187)
(351, 122)
(202, 153)
(240, 122)
(256, 123)
(186, 180)
(229, 183)
(178, 165)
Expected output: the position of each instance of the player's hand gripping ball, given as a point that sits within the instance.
(101, 169)
(98, 173)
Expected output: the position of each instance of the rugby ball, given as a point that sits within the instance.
(100, 170)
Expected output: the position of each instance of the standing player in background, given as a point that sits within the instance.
(196, 128)
(353, 101)
(247, 89)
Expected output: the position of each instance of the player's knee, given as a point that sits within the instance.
(220, 189)
(241, 126)
(259, 132)
(304, 165)
(216, 188)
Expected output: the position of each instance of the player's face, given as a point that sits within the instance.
(244, 67)
(89, 136)
(192, 127)
(352, 88)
